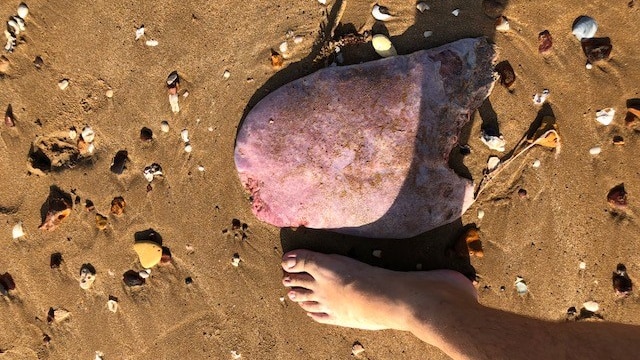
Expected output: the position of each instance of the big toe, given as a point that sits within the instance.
(301, 260)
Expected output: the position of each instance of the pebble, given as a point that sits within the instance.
(502, 24)
(145, 273)
(427, 33)
(536, 164)
(119, 162)
(166, 256)
(276, 60)
(595, 150)
(88, 135)
(582, 265)
(545, 42)
(480, 214)
(87, 276)
(455, 12)
(151, 43)
(284, 47)
(164, 126)
(618, 140)
(597, 49)
(617, 197)
(132, 278)
(99, 355)
(234, 354)
(23, 11)
(188, 280)
(55, 260)
(521, 286)
(184, 135)
(298, 39)
(17, 231)
(235, 260)
(146, 134)
(117, 205)
(58, 315)
(6, 283)
(584, 27)
(383, 46)
(173, 102)
(377, 253)
(149, 253)
(140, 32)
(539, 99)
(422, 6)
(492, 8)
(591, 306)
(493, 163)
(188, 148)
(522, 193)
(622, 283)
(357, 349)
(226, 74)
(63, 84)
(380, 13)
(151, 171)
(473, 242)
(101, 222)
(200, 168)
(507, 74)
(112, 304)
(109, 93)
(38, 62)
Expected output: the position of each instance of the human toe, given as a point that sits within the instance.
(300, 260)
(303, 280)
(301, 294)
(312, 306)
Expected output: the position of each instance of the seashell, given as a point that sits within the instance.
(117, 205)
(605, 116)
(112, 304)
(591, 306)
(17, 231)
(173, 101)
(235, 260)
(493, 163)
(584, 27)
(617, 197)
(539, 99)
(284, 47)
(502, 24)
(595, 150)
(455, 12)
(184, 134)
(151, 43)
(140, 32)
(521, 286)
(507, 75)
(545, 42)
(101, 222)
(164, 126)
(357, 349)
(132, 278)
(23, 10)
(87, 276)
(493, 142)
(383, 46)
(596, 49)
(427, 33)
(536, 164)
(380, 13)
(226, 74)
(63, 84)
(88, 135)
(188, 148)
(152, 171)
(422, 7)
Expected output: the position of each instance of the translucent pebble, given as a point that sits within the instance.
(63, 84)
(584, 27)
(521, 286)
(184, 134)
(151, 43)
(591, 306)
(17, 231)
(455, 12)
(480, 214)
(226, 74)
(383, 46)
(536, 164)
(595, 150)
(164, 126)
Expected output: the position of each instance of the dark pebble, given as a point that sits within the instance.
(188, 280)
(166, 255)
(522, 193)
(597, 49)
(464, 150)
(235, 224)
(617, 197)
(132, 278)
(572, 311)
(507, 75)
(545, 42)
(56, 260)
(119, 162)
(492, 8)
(621, 281)
(618, 140)
(146, 134)
(6, 282)
(38, 62)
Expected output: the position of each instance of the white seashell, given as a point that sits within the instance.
(184, 134)
(595, 150)
(164, 126)
(188, 148)
(480, 214)
(591, 306)
(588, 66)
(14, 25)
(455, 12)
(88, 135)
(584, 28)
(112, 305)
(226, 74)
(582, 265)
(383, 46)
(109, 93)
(284, 47)
(427, 33)
(493, 142)
(377, 253)
(60, 315)
(173, 101)
(298, 39)
(143, 274)
(605, 116)
(493, 163)
(86, 278)
(63, 84)
(23, 11)
(200, 168)
(521, 286)
(151, 43)
(140, 32)
(422, 7)
(17, 231)
(536, 164)
(380, 13)
(503, 24)
(539, 99)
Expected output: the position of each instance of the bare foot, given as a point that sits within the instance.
(338, 290)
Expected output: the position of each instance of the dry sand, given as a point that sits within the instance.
(564, 220)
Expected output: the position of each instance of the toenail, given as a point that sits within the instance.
(290, 262)
(287, 279)
(292, 295)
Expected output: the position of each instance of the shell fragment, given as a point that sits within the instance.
(17, 231)
(493, 142)
(584, 27)
(422, 6)
(605, 116)
(380, 13)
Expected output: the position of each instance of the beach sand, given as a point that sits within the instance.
(564, 219)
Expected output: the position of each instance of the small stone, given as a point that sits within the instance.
(377, 253)
(149, 253)
(502, 24)
(184, 135)
(427, 33)
(6, 283)
(23, 10)
(88, 204)
(188, 280)
(166, 256)
(200, 168)
(539, 99)
(545, 42)
(284, 47)
(38, 62)
(357, 349)
(493, 142)
(582, 265)
(151, 43)
(522, 193)
(109, 93)
(595, 150)
(536, 164)
(132, 278)
(140, 32)
(63, 84)
(112, 304)
(617, 197)
(88, 135)
(507, 74)
(235, 260)
(188, 148)
(117, 205)
(493, 163)
(226, 74)
(298, 39)
(101, 222)
(618, 140)
(234, 354)
(591, 306)
(119, 162)
(185, 94)
(173, 102)
(622, 283)
(17, 231)
(588, 65)
(58, 315)
(146, 134)
(521, 286)
(164, 126)
(276, 60)
(422, 6)
(480, 214)
(56, 260)
(87, 276)
(596, 49)
(145, 273)
(492, 8)
(455, 12)
(383, 46)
